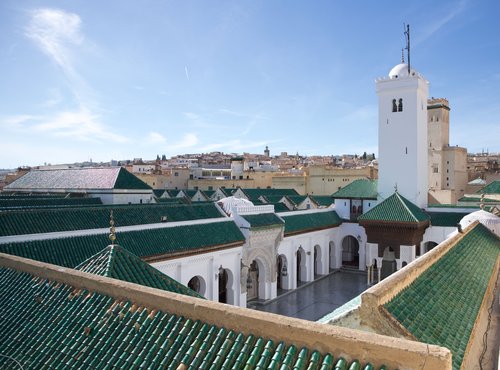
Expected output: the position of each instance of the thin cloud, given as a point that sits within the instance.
(55, 32)
(156, 138)
(187, 73)
(16, 121)
(58, 34)
(81, 125)
(439, 22)
(189, 140)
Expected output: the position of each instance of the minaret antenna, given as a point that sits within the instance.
(407, 38)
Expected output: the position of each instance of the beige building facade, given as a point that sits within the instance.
(447, 164)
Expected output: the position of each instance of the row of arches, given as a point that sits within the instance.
(228, 280)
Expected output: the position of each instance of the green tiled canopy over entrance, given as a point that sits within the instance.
(442, 304)
(263, 220)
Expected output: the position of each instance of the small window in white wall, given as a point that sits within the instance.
(400, 105)
(394, 105)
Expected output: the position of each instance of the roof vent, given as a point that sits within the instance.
(163, 219)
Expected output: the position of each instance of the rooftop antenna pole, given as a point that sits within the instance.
(407, 37)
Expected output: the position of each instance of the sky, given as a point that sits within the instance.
(119, 79)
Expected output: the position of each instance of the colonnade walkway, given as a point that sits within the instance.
(311, 301)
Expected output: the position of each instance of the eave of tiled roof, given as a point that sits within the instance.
(304, 221)
(263, 220)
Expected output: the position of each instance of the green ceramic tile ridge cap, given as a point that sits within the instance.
(403, 201)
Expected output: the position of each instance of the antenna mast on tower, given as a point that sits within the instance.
(406, 29)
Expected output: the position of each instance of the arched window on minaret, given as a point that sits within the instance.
(400, 105)
(394, 106)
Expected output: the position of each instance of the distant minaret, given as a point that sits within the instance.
(402, 133)
(267, 152)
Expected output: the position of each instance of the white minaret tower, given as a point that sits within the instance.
(402, 134)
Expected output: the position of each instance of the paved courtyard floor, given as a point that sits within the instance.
(313, 300)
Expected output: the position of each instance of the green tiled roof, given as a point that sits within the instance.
(280, 207)
(322, 200)
(297, 199)
(36, 221)
(82, 178)
(305, 222)
(273, 198)
(208, 193)
(171, 200)
(45, 324)
(46, 202)
(127, 180)
(492, 188)
(72, 251)
(263, 220)
(256, 193)
(442, 304)
(158, 192)
(396, 208)
(358, 189)
(118, 263)
(446, 218)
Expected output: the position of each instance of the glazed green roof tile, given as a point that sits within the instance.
(280, 207)
(492, 188)
(170, 200)
(297, 199)
(446, 218)
(36, 221)
(118, 263)
(322, 200)
(158, 192)
(208, 193)
(442, 304)
(71, 251)
(358, 189)
(78, 179)
(190, 193)
(273, 198)
(46, 202)
(47, 324)
(127, 180)
(256, 193)
(263, 220)
(310, 221)
(395, 208)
